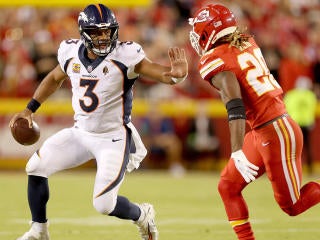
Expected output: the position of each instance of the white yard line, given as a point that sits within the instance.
(103, 221)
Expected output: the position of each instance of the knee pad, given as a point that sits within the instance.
(227, 189)
(104, 204)
(33, 166)
(222, 186)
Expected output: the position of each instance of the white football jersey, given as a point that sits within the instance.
(101, 89)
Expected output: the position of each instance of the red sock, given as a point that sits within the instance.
(244, 231)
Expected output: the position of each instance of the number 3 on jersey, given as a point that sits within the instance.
(89, 84)
(258, 76)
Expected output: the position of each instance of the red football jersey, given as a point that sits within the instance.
(261, 93)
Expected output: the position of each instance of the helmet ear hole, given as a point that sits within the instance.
(204, 37)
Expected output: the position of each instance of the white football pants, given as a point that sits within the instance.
(72, 147)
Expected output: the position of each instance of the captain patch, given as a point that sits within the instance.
(76, 68)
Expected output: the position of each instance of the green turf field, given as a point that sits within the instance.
(188, 208)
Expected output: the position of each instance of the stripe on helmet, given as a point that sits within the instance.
(99, 10)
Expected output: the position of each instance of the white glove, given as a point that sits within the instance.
(247, 170)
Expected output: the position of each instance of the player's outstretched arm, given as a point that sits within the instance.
(230, 94)
(47, 87)
(175, 73)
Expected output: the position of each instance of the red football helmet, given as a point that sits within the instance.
(209, 24)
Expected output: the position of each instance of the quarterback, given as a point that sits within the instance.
(233, 64)
(102, 71)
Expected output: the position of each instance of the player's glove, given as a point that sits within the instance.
(247, 170)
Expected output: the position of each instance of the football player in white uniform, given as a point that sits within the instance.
(102, 71)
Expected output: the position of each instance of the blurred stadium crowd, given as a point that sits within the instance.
(288, 32)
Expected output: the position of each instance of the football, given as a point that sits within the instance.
(23, 134)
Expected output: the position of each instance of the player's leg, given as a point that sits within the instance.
(112, 159)
(284, 168)
(61, 151)
(230, 188)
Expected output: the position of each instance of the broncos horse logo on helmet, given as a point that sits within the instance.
(95, 18)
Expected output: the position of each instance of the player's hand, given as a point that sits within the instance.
(179, 65)
(247, 170)
(26, 113)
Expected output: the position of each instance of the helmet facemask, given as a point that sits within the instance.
(97, 45)
(194, 40)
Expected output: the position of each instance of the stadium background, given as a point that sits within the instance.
(30, 32)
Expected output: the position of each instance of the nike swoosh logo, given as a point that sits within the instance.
(265, 144)
(203, 61)
(138, 50)
(116, 140)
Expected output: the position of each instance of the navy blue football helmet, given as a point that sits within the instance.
(95, 18)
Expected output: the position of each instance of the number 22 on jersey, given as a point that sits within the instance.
(258, 76)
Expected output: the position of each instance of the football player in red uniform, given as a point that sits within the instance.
(232, 62)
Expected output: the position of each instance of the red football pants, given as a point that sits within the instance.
(276, 149)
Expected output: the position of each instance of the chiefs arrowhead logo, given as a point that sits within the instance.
(201, 17)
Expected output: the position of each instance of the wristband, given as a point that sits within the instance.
(177, 80)
(33, 105)
(236, 109)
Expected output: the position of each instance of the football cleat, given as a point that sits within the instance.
(146, 224)
(38, 231)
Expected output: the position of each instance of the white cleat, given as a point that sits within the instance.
(146, 224)
(38, 231)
